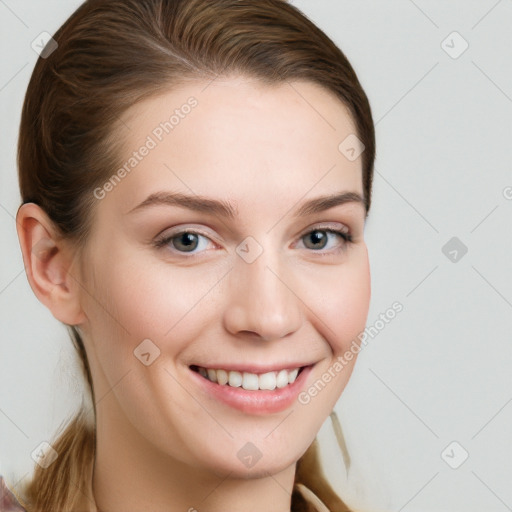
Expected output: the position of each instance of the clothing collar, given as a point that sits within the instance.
(311, 498)
(9, 502)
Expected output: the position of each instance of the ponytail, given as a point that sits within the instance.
(66, 484)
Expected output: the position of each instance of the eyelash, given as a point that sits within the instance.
(163, 242)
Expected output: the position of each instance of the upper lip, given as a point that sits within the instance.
(253, 368)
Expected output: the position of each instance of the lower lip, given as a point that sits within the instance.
(254, 402)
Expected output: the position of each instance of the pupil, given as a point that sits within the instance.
(318, 237)
(188, 241)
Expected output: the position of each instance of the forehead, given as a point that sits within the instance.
(237, 139)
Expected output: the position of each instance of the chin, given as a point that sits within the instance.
(258, 460)
(261, 469)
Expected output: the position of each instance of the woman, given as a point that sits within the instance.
(195, 180)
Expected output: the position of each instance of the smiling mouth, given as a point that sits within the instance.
(249, 381)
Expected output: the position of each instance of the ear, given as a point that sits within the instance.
(48, 260)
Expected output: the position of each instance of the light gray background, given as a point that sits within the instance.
(441, 370)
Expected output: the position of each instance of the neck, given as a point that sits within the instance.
(130, 473)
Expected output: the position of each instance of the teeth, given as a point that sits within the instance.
(250, 381)
(267, 380)
(282, 379)
(222, 377)
(292, 376)
(235, 379)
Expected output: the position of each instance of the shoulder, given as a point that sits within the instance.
(8, 501)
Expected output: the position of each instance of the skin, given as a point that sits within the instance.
(266, 149)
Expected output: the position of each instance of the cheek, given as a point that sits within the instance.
(341, 301)
(157, 301)
(355, 301)
(341, 314)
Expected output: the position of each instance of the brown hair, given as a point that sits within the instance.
(112, 54)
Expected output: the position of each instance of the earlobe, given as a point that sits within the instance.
(48, 261)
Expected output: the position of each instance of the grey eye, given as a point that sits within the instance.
(185, 242)
(318, 239)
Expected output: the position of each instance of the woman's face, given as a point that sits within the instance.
(212, 250)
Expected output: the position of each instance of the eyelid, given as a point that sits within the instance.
(187, 228)
(335, 226)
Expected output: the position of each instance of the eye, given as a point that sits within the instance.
(193, 242)
(319, 238)
(184, 241)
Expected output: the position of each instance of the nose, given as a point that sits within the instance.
(262, 300)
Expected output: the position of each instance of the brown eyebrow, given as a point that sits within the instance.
(195, 202)
(226, 209)
(322, 203)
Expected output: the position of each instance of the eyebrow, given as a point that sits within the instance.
(228, 210)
